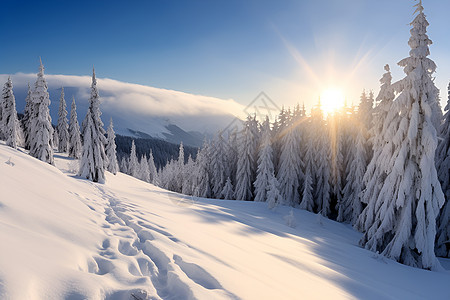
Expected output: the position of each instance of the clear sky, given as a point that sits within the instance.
(292, 50)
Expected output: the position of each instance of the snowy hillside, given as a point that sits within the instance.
(63, 237)
(138, 110)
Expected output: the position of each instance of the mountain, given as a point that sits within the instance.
(63, 237)
(137, 110)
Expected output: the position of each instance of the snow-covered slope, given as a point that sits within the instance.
(138, 110)
(62, 237)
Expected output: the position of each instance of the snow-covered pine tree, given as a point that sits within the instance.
(378, 166)
(179, 170)
(322, 162)
(75, 147)
(290, 172)
(168, 175)
(111, 154)
(188, 169)
(410, 199)
(11, 126)
(201, 181)
(336, 162)
(352, 205)
(231, 155)
(181, 155)
(246, 167)
(41, 132)
(63, 127)
(365, 109)
(26, 121)
(55, 138)
(443, 170)
(218, 162)
(152, 169)
(133, 164)
(277, 130)
(124, 165)
(265, 163)
(93, 159)
(309, 142)
(365, 118)
(227, 192)
(144, 171)
(349, 129)
(273, 193)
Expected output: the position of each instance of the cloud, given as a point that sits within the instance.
(143, 106)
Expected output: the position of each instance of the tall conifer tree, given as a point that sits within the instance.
(41, 132)
(74, 133)
(93, 159)
(113, 165)
(411, 196)
(63, 127)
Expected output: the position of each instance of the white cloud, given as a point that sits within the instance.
(143, 106)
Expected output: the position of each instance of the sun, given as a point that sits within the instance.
(332, 99)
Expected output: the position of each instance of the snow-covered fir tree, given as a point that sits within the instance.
(382, 148)
(278, 129)
(41, 132)
(309, 142)
(218, 163)
(11, 125)
(111, 154)
(246, 166)
(352, 205)
(124, 165)
(273, 193)
(365, 109)
(290, 174)
(170, 176)
(337, 168)
(231, 155)
(179, 170)
(188, 169)
(74, 133)
(152, 169)
(26, 121)
(55, 138)
(63, 126)
(227, 191)
(443, 169)
(265, 163)
(201, 181)
(322, 163)
(133, 163)
(144, 171)
(411, 196)
(93, 159)
(181, 155)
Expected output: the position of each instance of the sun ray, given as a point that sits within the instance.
(332, 99)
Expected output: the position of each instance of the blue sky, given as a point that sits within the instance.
(292, 50)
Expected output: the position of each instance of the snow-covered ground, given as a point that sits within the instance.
(62, 237)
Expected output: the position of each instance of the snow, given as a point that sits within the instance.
(63, 237)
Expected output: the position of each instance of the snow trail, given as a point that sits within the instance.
(136, 239)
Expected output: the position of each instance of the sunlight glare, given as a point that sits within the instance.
(332, 100)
